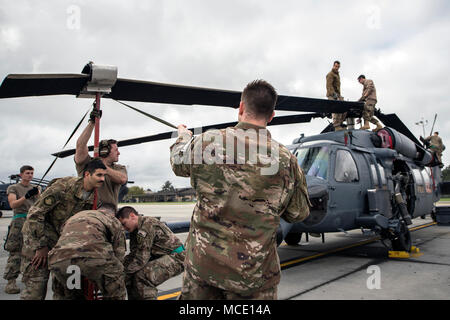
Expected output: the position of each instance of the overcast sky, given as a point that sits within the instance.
(403, 46)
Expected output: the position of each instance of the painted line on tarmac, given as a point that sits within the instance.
(173, 294)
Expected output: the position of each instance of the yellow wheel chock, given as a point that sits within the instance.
(415, 252)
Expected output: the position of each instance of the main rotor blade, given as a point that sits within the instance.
(391, 120)
(25, 85)
(145, 91)
(298, 118)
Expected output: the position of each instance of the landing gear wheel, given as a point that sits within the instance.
(293, 239)
(403, 241)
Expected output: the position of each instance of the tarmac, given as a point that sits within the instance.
(348, 266)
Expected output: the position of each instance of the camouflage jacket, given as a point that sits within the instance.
(60, 200)
(90, 234)
(369, 91)
(435, 143)
(152, 239)
(241, 195)
(333, 84)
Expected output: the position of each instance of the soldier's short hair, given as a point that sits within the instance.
(260, 98)
(25, 168)
(436, 132)
(361, 77)
(124, 212)
(94, 164)
(336, 62)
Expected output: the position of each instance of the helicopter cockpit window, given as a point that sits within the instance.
(345, 170)
(314, 161)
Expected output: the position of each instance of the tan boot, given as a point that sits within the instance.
(379, 126)
(11, 287)
(366, 125)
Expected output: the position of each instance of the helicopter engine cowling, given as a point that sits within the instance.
(392, 139)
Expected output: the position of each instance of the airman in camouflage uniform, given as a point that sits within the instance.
(156, 254)
(231, 247)
(116, 174)
(436, 145)
(21, 197)
(334, 93)
(93, 241)
(369, 96)
(61, 200)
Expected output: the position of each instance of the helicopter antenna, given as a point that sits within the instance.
(434, 121)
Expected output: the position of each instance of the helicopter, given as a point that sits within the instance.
(356, 179)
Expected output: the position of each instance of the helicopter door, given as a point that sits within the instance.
(380, 184)
(345, 189)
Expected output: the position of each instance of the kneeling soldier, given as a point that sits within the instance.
(156, 254)
(92, 242)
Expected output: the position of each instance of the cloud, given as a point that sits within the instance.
(217, 44)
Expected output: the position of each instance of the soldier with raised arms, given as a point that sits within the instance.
(244, 183)
(21, 197)
(116, 174)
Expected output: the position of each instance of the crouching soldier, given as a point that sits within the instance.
(156, 254)
(92, 245)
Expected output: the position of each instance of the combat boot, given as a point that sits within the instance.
(366, 125)
(11, 287)
(379, 126)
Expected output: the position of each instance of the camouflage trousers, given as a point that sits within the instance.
(107, 274)
(35, 280)
(142, 285)
(13, 245)
(369, 109)
(338, 118)
(197, 289)
(434, 150)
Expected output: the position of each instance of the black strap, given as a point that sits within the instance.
(70, 137)
(148, 115)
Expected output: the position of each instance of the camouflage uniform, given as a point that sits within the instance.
(95, 242)
(334, 93)
(61, 200)
(369, 96)
(156, 255)
(231, 247)
(436, 146)
(14, 240)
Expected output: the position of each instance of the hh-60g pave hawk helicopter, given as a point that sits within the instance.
(356, 178)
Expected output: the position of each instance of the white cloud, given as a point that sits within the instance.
(218, 44)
